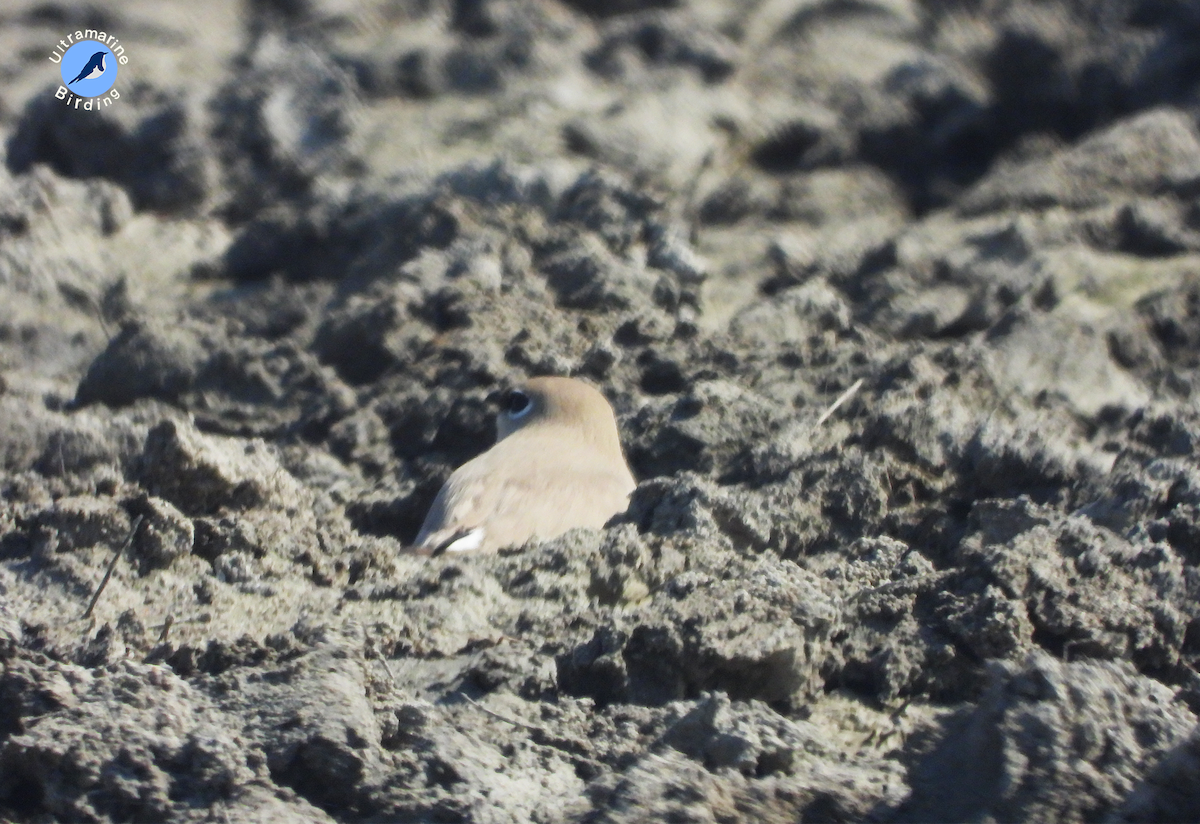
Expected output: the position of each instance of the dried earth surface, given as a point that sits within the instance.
(898, 305)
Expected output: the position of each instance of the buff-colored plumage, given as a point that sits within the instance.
(556, 465)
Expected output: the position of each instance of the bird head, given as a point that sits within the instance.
(559, 402)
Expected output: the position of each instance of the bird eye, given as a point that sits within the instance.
(517, 404)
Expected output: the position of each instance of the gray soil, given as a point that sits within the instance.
(898, 306)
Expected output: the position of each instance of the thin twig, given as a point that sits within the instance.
(387, 669)
(842, 398)
(113, 564)
(542, 737)
(690, 213)
(904, 584)
(500, 717)
(166, 628)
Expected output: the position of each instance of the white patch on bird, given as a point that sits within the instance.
(94, 73)
(467, 543)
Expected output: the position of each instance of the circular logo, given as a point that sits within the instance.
(89, 68)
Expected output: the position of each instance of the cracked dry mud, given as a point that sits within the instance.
(260, 305)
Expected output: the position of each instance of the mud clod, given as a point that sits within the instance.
(897, 308)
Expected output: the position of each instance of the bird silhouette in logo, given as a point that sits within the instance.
(93, 68)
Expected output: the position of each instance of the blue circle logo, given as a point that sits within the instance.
(89, 68)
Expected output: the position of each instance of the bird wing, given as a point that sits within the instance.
(446, 521)
(525, 487)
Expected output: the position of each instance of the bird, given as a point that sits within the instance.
(557, 464)
(93, 68)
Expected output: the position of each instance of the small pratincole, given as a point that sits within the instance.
(557, 465)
